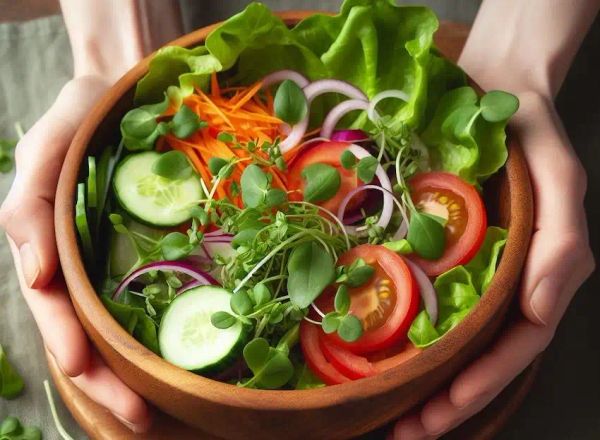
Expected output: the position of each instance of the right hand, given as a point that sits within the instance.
(27, 215)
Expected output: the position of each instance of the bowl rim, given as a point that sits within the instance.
(91, 310)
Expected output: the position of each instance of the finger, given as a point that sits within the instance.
(556, 267)
(56, 319)
(558, 178)
(27, 213)
(559, 258)
(101, 385)
(409, 428)
(440, 415)
(517, 348)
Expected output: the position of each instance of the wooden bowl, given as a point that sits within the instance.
(228, 411)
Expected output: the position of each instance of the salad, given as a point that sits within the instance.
(289, 208)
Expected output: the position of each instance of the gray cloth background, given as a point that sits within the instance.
(565, 402)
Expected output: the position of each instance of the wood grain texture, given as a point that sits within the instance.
(340, 411)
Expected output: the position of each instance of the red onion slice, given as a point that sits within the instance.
(216, 233)
(295, 136)
(350, 136)
(323, 86)
(174, 266)
(282, 75)
(338, 112)
(398, 94)
(311, 91)
(426, 290)
(385, 188)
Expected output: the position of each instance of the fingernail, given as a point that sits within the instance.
(132, 427)
(543, 300)
(30, 265)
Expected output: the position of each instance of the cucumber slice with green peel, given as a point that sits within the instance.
(153, 199)
(188, 339)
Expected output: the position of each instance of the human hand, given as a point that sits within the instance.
(27, 215)
(558, 262)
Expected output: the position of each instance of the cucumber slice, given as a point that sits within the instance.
(150, 198)
(188, 339)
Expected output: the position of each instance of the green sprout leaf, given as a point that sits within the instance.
(348, 160)
(225, 137)
(497, 106)
(255, 184)
(322, 182)
(290, 102)
(175, 246)
(275, 197)
(261, 294)
(216, 164)
(222, 320)
(426, 235)
(240, 303)
(342, 300)
(11, 384)
(350, 328)
(311, 269)
(359, 273)
(331, 322)
(173, 165)
(401, 247)
(366, 168)
(185, 123)
(12, 429)
(271, 367)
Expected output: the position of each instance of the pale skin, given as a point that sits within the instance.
(559, 260)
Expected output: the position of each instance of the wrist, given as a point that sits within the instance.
(507, 68)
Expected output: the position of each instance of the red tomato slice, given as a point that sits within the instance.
(356, 367)
(352, 365)
(386, 304)
(316, 361)
(328, 153)
(447, 195)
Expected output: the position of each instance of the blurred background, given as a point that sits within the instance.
(564, 402)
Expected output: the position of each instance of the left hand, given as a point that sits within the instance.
(558, 262)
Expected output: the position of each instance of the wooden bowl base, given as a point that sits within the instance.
(100, 424)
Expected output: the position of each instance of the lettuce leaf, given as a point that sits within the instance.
(372, 44)
(459, 289)
(461, 141)
(135, 321)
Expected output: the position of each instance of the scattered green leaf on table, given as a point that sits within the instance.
(11, 383)
(12, 429)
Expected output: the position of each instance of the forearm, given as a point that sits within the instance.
(522, 45)
(108, 37)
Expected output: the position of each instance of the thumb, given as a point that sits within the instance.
(27, 214)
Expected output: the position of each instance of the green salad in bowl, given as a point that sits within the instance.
(294, 208)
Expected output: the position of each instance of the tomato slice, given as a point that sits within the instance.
(356, 366)
(386, 304)
(328, 153)
(447, 195)
(352, 365)
(316, 361)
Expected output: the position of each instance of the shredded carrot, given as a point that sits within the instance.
(244, 112)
